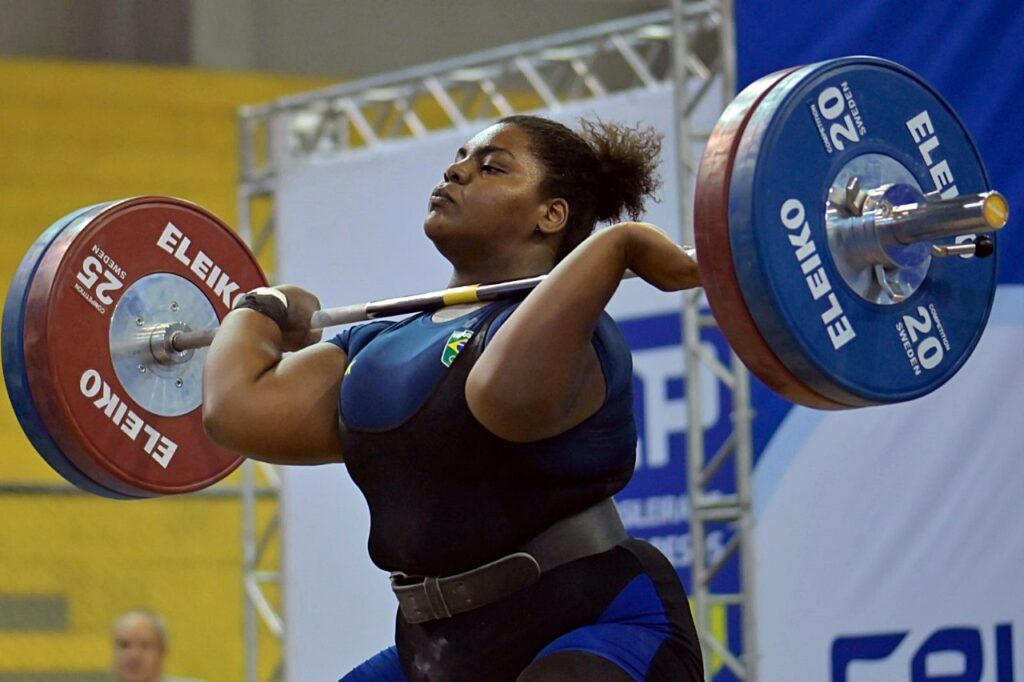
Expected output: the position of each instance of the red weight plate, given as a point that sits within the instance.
(714, 250)
(83, 277)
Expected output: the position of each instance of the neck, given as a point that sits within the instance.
(461, 278)
(499, 267)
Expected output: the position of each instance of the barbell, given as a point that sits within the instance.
(841, 216)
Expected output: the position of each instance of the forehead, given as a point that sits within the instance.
(137, 627)
(504, 135)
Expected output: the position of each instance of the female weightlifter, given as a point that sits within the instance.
(489, 439)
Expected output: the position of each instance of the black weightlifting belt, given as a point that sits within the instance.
(590, 532)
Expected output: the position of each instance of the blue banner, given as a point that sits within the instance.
(973, 53)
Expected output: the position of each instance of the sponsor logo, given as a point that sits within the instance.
(960, 653)
(923, 133)
(837, 324)
(155, 444)
(175, 242)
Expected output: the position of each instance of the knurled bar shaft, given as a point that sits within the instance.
(388, 307)
(182, 341)
(359, 312)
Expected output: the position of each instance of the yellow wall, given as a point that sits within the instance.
(76, 134)
(71, 135)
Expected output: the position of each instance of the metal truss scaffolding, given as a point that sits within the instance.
(261, 573)
(688, 46)
(710, 508)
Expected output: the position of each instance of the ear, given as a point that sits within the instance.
(553, 216)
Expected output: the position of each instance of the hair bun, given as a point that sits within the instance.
(628, 157)
(604, 172)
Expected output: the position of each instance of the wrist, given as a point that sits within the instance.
(622, 239)
(634, 238)
(269, 302)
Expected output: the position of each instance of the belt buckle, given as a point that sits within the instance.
(421, 599)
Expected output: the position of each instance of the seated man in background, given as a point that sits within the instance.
(140, 647)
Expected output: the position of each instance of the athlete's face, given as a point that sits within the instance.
(489, 198)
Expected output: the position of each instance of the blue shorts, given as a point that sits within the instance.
(626, 607)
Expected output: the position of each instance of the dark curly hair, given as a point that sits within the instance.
(605, 172)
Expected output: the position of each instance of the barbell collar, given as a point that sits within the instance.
(161, 347)
(982, 247)
(181, 341)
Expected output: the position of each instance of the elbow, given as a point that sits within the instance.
(506, 412)
(227, 429)
(225, 422)
(214, 423)
(221, 413)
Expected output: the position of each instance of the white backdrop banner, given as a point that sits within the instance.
(890, 543)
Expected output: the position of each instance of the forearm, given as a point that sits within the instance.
(246, 347)
(658, 260)
(271, 406)
(540, 373)
(569, 303)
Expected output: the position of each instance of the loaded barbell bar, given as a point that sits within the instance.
(855, 276)
(884, 227)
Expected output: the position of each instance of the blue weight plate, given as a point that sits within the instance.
(714, 249)
(15, 370)
(811, 129)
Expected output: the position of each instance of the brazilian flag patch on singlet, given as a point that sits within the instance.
(454, 345)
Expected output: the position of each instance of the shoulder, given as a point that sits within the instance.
(500, 318)
(353, 339)
(613, 352)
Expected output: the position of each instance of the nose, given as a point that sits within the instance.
(457, 172)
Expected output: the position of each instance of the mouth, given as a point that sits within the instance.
(440, 196)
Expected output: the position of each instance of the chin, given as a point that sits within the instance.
(431, 228)
(435, 231)
(443, 240)
(436, 226)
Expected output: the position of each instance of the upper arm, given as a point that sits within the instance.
(523, 391)
(289, 414)
(540, 375)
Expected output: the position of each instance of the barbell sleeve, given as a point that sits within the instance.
(931, 220)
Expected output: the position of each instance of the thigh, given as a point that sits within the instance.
(384, 667)
(645, 634)
(615, 650)
(574, 666)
